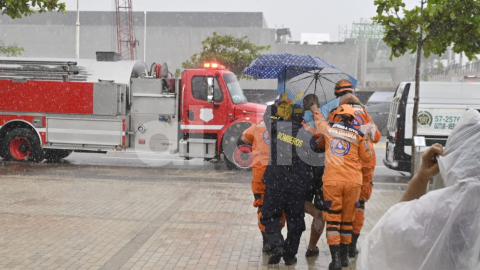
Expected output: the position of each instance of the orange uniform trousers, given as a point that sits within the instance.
(340, 199)
(365, 194)
(258, 187)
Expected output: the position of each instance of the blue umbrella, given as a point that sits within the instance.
(299, 75)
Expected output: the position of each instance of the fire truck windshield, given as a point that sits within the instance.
(234, 88)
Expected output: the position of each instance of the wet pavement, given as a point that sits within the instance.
(79, 214)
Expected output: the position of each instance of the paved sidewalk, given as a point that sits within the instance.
(60, 222)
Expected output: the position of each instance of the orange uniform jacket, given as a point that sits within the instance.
(345, 147)
(362, 118)
(258, 136)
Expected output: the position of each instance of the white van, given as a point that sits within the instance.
(440, 108)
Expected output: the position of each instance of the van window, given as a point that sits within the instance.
(399, 91)
(380, 97)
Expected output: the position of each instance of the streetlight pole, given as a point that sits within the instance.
(145, 39)
(77, 26)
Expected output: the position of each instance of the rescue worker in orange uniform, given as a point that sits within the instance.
(257, 135)
(345, 147)
(364, 123)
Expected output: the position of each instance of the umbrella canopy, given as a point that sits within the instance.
(298, 75)
(319, 82)
(273, 66)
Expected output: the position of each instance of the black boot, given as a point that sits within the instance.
(352, 249)
(344, 255)
(335, 264)
(276, 256)
(290, 260)
(266, 246)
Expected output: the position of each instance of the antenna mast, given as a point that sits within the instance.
(126, 41)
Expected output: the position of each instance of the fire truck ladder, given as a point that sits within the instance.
(38, 70)
(125, 36)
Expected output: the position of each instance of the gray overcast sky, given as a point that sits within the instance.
(301, 16)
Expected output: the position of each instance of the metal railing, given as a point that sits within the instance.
(456, 69)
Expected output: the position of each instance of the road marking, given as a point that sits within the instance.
(380, 146)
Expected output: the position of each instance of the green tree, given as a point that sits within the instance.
(12, 50)
(235, 53)
(16, 9)
(429, 28)
(178, 73)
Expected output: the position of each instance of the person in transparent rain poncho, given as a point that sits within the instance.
(440, 229)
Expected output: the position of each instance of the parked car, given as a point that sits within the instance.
(378, 106)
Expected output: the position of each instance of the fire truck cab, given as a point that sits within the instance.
(52, 107)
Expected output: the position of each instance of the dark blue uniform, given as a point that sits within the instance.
(285, 184)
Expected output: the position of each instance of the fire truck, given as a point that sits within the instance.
(50, 108)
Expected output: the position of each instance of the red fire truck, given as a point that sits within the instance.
(52, 107)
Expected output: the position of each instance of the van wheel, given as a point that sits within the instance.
(56, 154)
(22, 144)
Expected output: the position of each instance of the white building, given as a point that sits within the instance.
(314, 38)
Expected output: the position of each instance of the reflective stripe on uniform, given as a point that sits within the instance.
(333, 212)
(333, 233)
(333, 223)
(343, 137)
(320, 138)
(245, 139)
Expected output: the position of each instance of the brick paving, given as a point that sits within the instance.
(62, 222)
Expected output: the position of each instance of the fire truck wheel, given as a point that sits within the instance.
(56, 154)
(22, 144)
(242, 159)
(237, 157)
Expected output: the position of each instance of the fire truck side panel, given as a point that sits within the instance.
(46, 97)
(154, 117)
(109, 99)
(85, 133)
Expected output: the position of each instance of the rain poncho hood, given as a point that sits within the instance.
(441, 230)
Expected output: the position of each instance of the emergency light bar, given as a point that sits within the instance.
(213, 66)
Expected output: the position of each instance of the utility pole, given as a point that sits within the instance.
(77, 26)
(145, 39)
